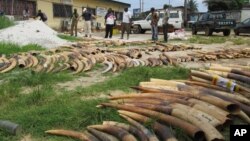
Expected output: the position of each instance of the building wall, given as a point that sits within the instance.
(55, 22)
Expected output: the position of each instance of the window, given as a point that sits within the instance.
(62, 10)
(118, 15)
(174, 15)
(149, 17)
(247, 21)
(161, 15)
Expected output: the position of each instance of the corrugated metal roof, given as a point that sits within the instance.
(114, 1)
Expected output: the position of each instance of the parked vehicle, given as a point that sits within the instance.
(243, 27)
(213, 22)
(175, 19)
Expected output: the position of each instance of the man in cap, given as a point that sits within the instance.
(87, 16)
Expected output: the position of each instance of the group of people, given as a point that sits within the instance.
(154, 24)
(87, 16)
(40, 14)
(126, 23)
(110, 23)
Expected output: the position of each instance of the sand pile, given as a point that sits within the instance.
(31, 32)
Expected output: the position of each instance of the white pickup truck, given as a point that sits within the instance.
(175, 19)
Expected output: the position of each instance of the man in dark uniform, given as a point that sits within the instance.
(42, 16)
(75, 18)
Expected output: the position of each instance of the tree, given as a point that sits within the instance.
(193, 6)
(223, 5)
(165, 6)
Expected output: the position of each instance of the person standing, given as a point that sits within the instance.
(26, 14)
(109, 21)
(154, 24)
(42, 16)
(87, 16)
(74, 22)
(126, 23)
(165, 23)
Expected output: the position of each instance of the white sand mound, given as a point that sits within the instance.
(31, 32)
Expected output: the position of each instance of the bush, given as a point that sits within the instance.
(5, 22)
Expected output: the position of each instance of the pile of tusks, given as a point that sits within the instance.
(82, 58)
(229, 53)
(109, 43)
(200, 107)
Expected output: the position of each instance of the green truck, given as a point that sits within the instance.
(213, 22)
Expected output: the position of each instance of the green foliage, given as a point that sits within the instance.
(219, 5)
(192, 4)
(133, 76)
(10, 48)
(217, 40)
(207, 40)
(5, 22)
(69, 38)
(165, 6)
(44, 108)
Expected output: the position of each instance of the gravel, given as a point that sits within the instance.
(32, 32)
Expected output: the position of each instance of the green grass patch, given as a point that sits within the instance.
(240, 41)
(69, 38)
(10, 48)
(207, 40)
(133, 76)
(5, 22)
(43, 108)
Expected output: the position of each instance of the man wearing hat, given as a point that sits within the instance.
(87, 16)
(75, 18)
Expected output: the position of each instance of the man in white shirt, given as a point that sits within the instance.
(126, 22)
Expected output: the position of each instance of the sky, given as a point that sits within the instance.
(159, 4)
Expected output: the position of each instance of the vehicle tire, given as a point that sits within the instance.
(226, 32)
(208, 31)
(194, 31)
(137, 29)
(143, 31)
(236, 32)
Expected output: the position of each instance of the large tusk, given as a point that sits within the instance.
(190, 129)
(210, 132)
(129, 128)
(102, 135)
(162, 131)
(120, 133)
(204, 117)
(147, 132)
(73, 134)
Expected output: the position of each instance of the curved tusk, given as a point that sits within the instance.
(190, 129)
(109, 64)
(12, 65)
(120, 133)
(102, 135)
(161, 130)
(80, 66)
(147, 132)
(129, 128)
